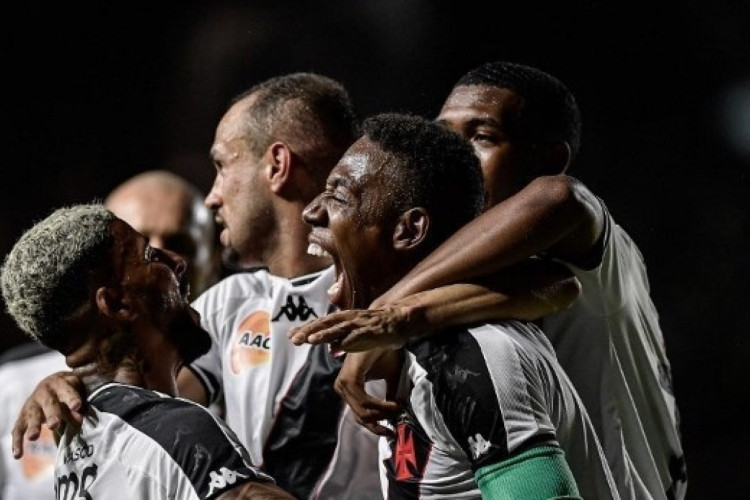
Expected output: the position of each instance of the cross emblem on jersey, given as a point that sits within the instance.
(293, 311)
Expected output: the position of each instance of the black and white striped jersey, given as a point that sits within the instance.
(476, 397)
(138, 443)
(279, 397)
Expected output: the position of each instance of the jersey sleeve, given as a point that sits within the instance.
(491, 415)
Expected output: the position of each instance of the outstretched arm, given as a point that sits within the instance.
(526, 291)
(554, 215)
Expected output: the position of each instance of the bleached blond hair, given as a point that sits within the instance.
(45, 276)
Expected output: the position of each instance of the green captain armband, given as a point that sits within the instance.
(540, 473)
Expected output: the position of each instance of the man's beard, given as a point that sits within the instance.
(189, 338)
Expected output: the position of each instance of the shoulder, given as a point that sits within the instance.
(186, 434)
(147, 410)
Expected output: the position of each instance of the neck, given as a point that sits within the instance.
(110, 359)
(288, 256)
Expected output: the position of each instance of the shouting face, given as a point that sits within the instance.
(348, 224)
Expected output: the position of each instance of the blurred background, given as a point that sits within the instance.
(96, 94)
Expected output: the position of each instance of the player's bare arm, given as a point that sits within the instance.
(554, 215)
(526, 291)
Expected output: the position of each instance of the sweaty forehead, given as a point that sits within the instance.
(480, 102)
(360, 162)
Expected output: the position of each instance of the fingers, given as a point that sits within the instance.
(367, 410)
(65, 400)
(325, 329)
(56, 399)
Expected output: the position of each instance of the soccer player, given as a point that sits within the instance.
(170, 212)
(524, 125)
(85, 283)
(487, 407)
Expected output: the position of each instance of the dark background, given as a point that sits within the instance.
(94, 95)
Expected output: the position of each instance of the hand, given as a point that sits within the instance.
(56, 399)
(350, 385)
(356, 330)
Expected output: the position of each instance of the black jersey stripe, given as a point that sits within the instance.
(187, 432)
(303, 439)
(463, 391)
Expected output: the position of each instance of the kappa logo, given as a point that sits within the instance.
(293, 311)
(478, 446)
(221, 478)
(251, 343)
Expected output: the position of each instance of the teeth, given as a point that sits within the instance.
(317, 250)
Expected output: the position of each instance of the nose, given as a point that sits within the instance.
(213, 199)
(176, 262)
(314, 213)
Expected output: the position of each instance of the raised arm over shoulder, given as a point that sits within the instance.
(553, 215)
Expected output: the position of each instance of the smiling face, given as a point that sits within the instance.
(489, 118)
(348, 224)
(154, 285)
(240, 196)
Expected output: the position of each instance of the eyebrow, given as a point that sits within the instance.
(474, 122)
(338, 181)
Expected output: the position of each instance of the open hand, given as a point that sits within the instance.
(56, 399)
(357, 330)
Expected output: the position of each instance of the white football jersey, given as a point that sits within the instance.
(611, 345)
(279, 397)
(138, 443)
(477, 397)
(32, 476)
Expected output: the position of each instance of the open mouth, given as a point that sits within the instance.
(336, 291)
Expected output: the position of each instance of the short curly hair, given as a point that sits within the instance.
(550, 110)
(429, 166)
(45, 277)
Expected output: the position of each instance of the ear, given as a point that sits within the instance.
(279, 168)
(411, 229)
(556, 157)
(111, 303)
